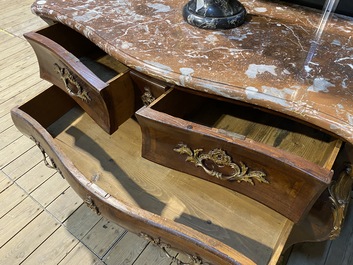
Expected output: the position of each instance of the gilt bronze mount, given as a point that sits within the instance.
(241, 173)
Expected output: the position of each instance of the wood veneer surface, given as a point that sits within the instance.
(239, 222)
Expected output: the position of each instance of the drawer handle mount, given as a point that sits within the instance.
(90, 204)
(219, 157)
(167, 248)
(70, 81)
(50, 164)
(340, 196)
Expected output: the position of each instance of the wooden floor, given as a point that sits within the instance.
(42, 221)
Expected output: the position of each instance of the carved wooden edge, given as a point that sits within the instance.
(326, 219)
(240, 172)
(50, 164)
(90, 204)
(128, 216)
(340, 192)
(166, 248)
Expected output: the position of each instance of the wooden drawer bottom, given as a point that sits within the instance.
(206, 221)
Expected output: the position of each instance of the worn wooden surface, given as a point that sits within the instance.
(42, 221)
(279, 150)
(19, 159)
(105, 94)
(105, 162)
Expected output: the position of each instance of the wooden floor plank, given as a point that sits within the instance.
(10, 197)
(81, 221)
(309, 253)
(54, 249)
(101, 244)
(7, 49)
(153, 255)
(35, 177)
(8, 136)
(65, 205)
(25, 162)
(15, 49)
(14, 150)
(15, 14)
(17, 219)
(126, 251)
(19, 99)
(28, 239)
(5, 122)
(9, 95)
(7, 46)
(28, 77)
(33, 24)
(49, 190)
(19, 61)
(81, 255)
(5, 182)
(8, 6)
(5, 37)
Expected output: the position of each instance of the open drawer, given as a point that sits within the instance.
(211, 224)
(279, 162)
(96, 81)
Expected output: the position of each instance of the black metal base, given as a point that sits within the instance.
(214, 14)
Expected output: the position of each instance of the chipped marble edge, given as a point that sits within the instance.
(299, 110)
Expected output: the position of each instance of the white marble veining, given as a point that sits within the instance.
(270, 61)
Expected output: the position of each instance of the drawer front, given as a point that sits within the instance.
(63, 69)
(267, 178)
(284, 182)
(149, 88)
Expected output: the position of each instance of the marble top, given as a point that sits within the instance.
(270, 61)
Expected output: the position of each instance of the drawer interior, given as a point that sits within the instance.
(103, 65)
(114, 163)
(247, 122)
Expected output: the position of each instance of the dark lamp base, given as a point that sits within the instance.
(214, 14)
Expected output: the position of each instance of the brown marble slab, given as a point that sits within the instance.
(269, 61)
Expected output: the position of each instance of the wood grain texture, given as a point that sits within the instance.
(108, 96)
(81, 254)
(126, 251)
(148, 188)
(11, 197)
(17, 85)
(263, 142)
(81, 222)
(54, 249)
(100, 246)
(23, 243)
(22, 164)
(18, 218)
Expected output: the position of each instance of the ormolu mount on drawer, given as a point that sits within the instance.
(277, 161)
(97, 82)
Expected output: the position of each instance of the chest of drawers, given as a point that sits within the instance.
(227, 159)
